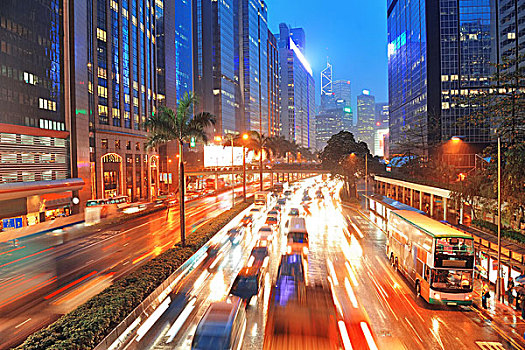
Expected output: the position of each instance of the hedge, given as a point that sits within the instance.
(505, 233)
(87, 325)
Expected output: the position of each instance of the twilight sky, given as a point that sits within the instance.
(352, 33)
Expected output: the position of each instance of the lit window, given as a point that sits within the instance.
(101, 34)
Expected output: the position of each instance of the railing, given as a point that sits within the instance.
(121, 334)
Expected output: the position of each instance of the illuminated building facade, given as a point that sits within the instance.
(297, 89)
(274, 81)
(366, 115)
(437, 58)
(36, 179)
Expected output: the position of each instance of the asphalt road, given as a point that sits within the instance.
(378, 306)
(54, 276)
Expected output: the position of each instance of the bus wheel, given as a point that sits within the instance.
(396, 264)
(392, 260)
(418, 289)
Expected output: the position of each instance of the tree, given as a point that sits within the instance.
(344, 156)
(260, 143)
(183, 127)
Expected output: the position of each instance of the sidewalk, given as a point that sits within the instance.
(506, 318)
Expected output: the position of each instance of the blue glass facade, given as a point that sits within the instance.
(183, 47)
(432, 79)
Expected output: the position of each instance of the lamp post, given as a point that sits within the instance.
(168, 177)
(230, 137)
(498, 278)
(244, 137)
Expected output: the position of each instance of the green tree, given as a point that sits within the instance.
(344, 156)
(183, 127)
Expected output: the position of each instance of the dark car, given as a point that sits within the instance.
(281, 201)
(287, 193)
(248, 283)
(294, 212)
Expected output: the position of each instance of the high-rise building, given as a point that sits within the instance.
(329, 120)
(36, 131)
(381, 128)
(366, 115)
(297, 89)
(253, 65)
(326, 81)
(342, 90)
(116, 94)
(274, 81)
(510, 35)
(442, 53)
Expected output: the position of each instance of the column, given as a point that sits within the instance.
(420, 200)
(445, 203)
(412, 197)
(431, 205)
(461, 213)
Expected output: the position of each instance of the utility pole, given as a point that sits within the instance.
(498, 279)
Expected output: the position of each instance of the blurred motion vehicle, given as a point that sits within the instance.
(272, 220)
(247, 220)
(437, 258)
(287, 193)
(291, 279)
(236, 234)
(281, 201)
(297, 237)
(294, 212)
(278, 187)
(275, 212)
(250, 280)
(306, 198)
(222, 327)
(97, 209)
(256, 212)
(311, 324)
(262, 199)
(210, 184)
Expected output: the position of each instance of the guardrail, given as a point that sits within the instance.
(142, 316)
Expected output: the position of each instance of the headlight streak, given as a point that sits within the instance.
(351, 294)
(368, 336)
(344, 335)
(141, 332)
(174, 330)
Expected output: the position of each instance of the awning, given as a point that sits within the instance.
(14, 190)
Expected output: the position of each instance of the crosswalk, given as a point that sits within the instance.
(490, 345)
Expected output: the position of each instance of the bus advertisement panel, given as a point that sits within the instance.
(436, 258)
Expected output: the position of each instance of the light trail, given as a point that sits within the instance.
(70, 285)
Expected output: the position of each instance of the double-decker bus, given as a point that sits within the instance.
(97, 209)
(438, 259)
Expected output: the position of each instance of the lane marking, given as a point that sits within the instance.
(23, 323)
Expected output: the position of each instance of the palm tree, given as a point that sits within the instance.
(261, 143)
(181, 126)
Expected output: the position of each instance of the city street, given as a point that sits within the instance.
(348, 249)
(55, 278)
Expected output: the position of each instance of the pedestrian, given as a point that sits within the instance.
(485, 294)
(510, 291)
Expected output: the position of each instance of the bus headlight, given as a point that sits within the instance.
(289, 250)
(437, 296)
(305, 250)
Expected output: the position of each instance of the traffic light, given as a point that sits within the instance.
(192, 142)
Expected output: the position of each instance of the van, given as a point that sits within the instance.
(297, 237)
(222, 327)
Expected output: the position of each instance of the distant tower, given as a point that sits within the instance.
(326, 80)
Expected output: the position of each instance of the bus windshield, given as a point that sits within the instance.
(455, 245)
(298, 237)
(452, 280)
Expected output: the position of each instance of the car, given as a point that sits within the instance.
(274, 212)
(277, 208)
(294, 212)
(256, 211)
(247, 220)
(287, 193)
(236, 234)
(266, 232)
(272, 220)
(248, 283)
(259, 254)
(320, 196)
(306, 198)
(281, 201)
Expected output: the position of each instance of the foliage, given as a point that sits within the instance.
(345, 157)
(420, 137)
(88, 324)
(505, 233)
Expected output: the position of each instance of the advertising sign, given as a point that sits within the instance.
(219, 156)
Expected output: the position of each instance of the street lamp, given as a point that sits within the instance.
(230, 137)
(244, 137)
(168, 178)
(498, 278)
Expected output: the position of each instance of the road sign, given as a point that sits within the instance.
(12, 223)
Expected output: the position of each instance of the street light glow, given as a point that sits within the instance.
(245, 136)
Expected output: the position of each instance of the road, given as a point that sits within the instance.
(49, 278)
(378, 306)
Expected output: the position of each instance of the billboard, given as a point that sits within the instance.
(217, 156)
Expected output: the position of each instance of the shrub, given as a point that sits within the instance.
(505, 233)
(87, 325)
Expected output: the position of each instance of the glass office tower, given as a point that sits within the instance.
(439, 52)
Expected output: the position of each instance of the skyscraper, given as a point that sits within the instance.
(366, 115)
(381, 128)
(297, 89)
(442, 53)
(329, 119)
(115, 95)
(35, 118)
(253, 65)
(342, 90)
(274, 81)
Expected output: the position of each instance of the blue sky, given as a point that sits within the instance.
(352, 33)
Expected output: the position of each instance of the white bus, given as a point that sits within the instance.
(436, 258)
(297, 237)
